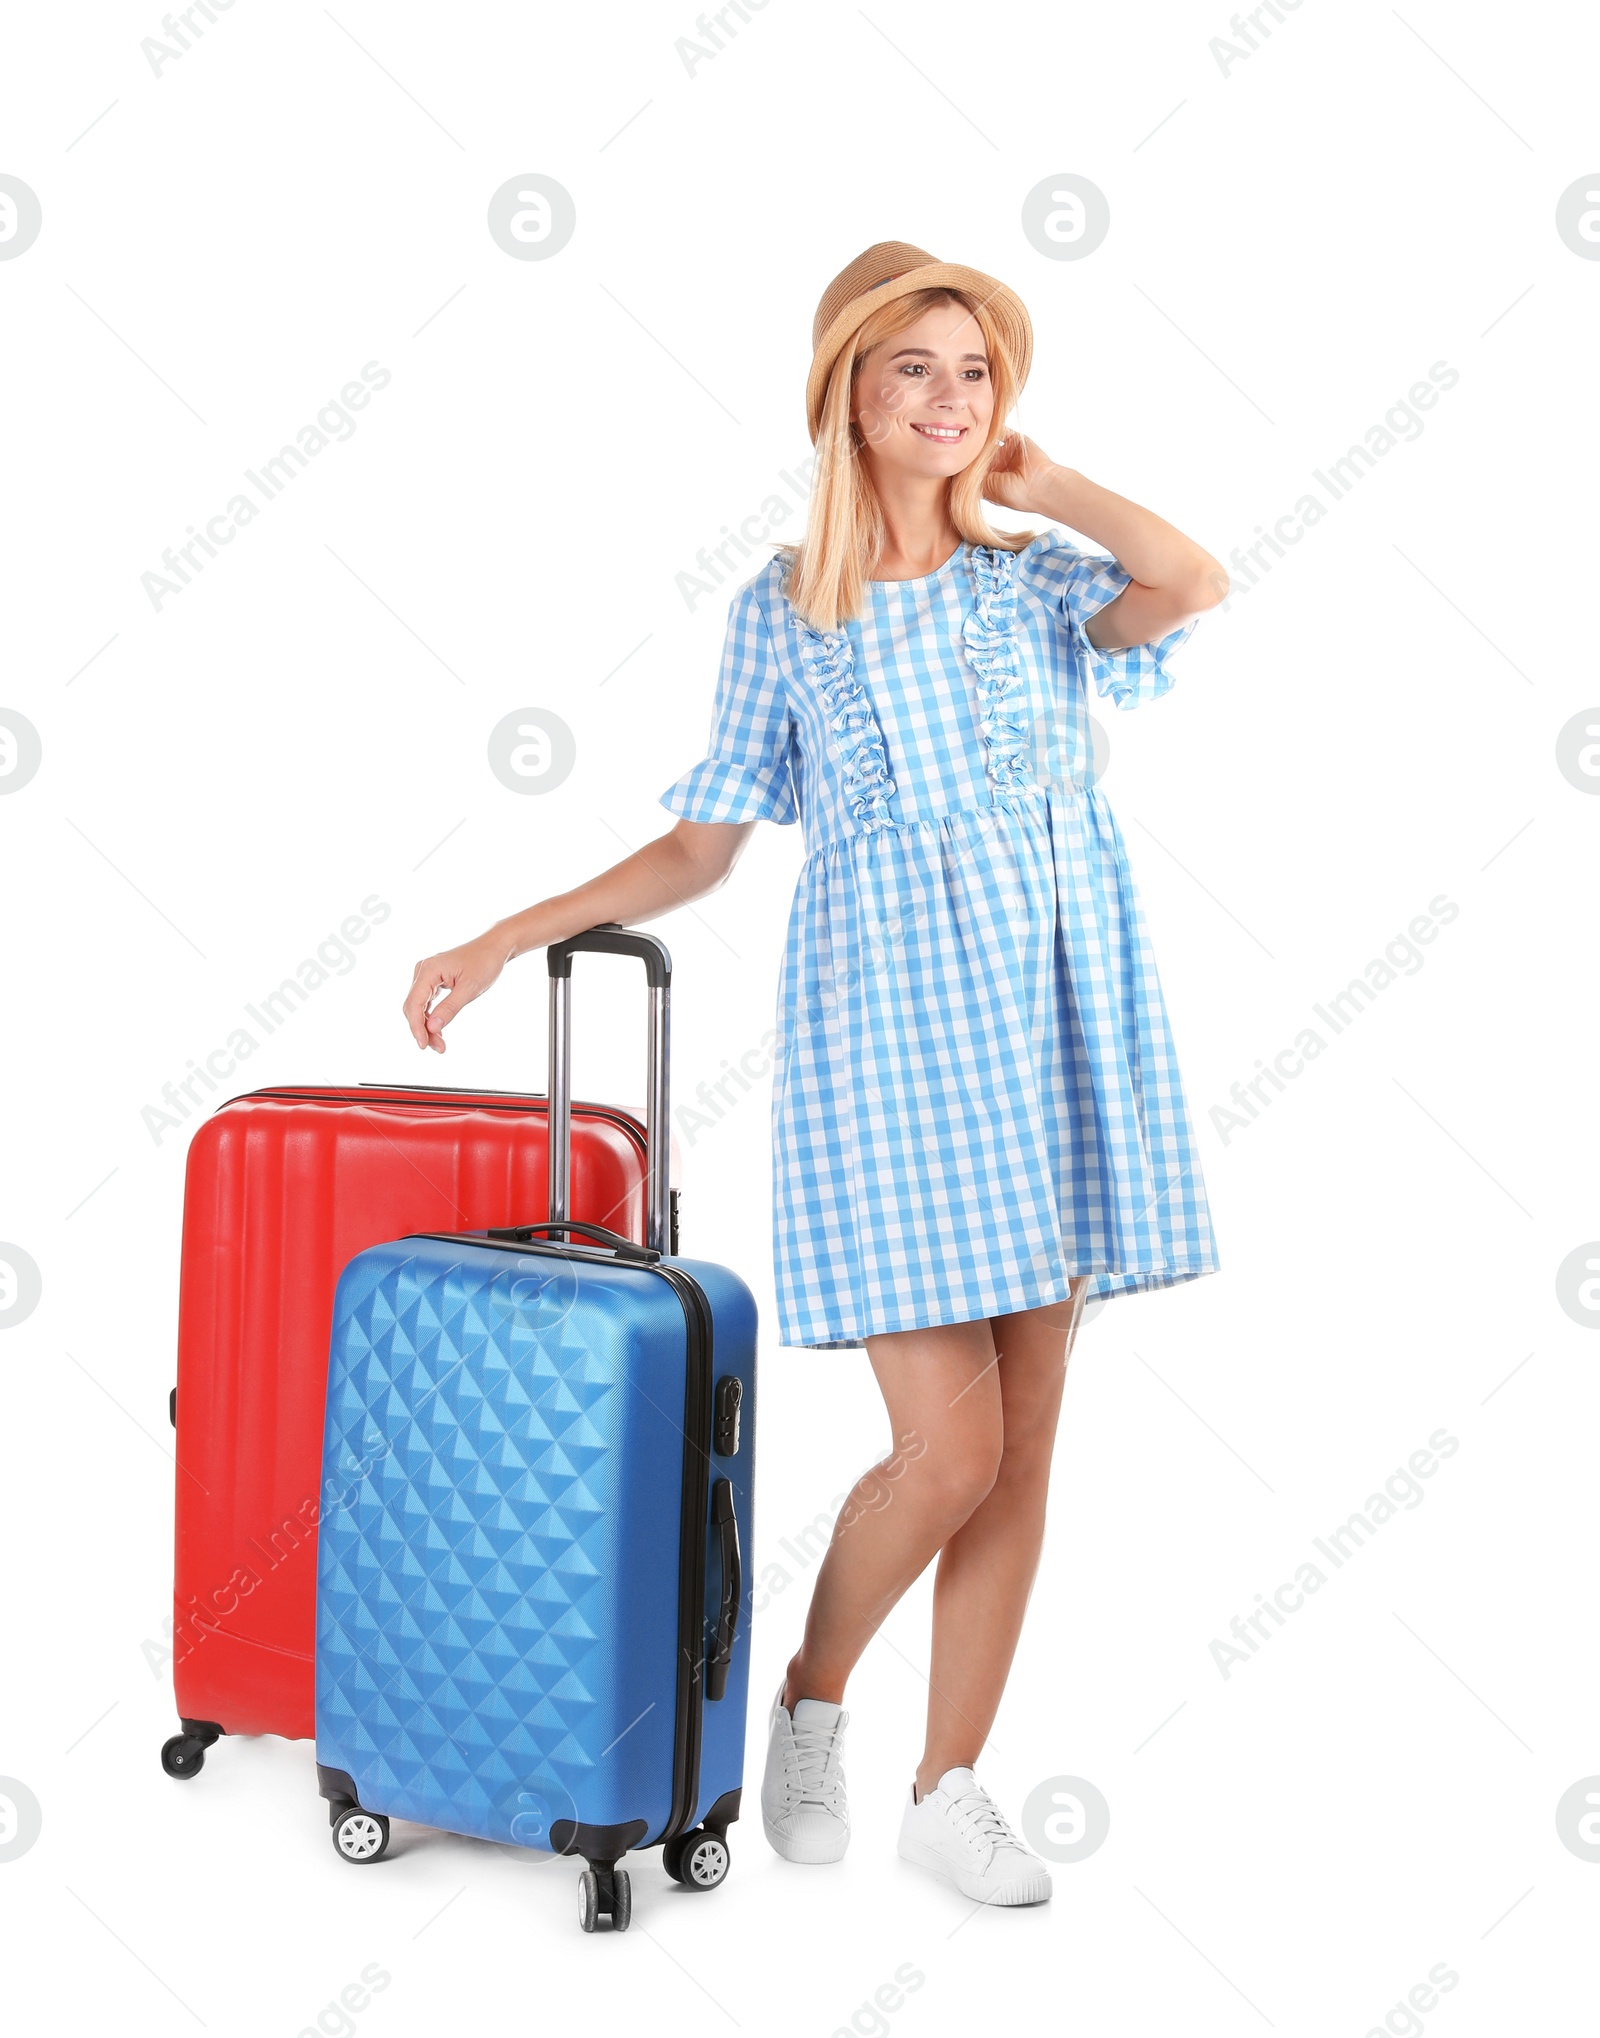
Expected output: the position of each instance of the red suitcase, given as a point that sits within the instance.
(282, 1188)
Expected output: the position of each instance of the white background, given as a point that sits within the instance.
(1293, 244)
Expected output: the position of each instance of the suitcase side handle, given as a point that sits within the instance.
(727, 1526)
(624, 1248)
(610, 938)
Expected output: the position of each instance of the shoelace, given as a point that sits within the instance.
(979, 1818)
(821, 1773)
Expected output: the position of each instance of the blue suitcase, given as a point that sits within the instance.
(532, 1621)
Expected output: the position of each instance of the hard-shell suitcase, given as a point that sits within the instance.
(282, 1188)
(532, 1621)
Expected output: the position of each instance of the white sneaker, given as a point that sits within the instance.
(803, 1805)
(957, 1830)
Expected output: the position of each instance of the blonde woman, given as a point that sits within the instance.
(978, 1117)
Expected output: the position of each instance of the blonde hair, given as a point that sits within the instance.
(826, 576)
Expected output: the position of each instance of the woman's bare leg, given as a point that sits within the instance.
(943, 1394)
(986, 1569)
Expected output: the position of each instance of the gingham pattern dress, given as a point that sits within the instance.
(976, 1095)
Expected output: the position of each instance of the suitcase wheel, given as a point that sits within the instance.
(605, 1890)
(182, 1757)
(185, 1754)
(699, 1860)
(361, 1836)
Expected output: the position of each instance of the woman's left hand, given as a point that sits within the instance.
(1015, 473)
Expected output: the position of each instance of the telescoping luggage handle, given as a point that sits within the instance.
(612, 939)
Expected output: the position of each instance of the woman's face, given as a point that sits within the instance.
(923, 398)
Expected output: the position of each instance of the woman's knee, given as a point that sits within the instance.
(942, 1389)
(1025, 1458)
(1031, 1415)
(959, 1470)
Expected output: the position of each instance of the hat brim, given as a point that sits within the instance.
(1006, 308)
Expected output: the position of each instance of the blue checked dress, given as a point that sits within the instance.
(976, 1095)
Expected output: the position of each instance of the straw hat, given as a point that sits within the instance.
(894, 269)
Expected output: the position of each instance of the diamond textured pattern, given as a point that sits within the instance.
(475, 1472)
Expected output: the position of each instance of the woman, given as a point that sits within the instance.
(977, 1112)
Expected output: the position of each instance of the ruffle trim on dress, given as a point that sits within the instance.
(857, 739)
(1130, 677)
(989, 633)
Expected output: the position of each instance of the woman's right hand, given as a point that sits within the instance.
(465, 972)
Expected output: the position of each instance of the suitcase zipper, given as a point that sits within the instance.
(441, 1098)
(699, 1368)
(436, 1094)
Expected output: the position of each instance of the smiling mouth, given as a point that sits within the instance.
(944, 435)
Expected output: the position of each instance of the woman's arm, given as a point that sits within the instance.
(1173, 577)
(686, 863)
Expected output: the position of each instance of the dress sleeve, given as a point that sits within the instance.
(1079, 584)
(746, 772)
